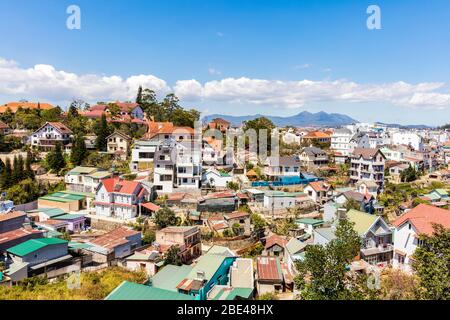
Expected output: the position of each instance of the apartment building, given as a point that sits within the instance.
(47, 136)
(187, 238)
(367, 164)
(340, 141)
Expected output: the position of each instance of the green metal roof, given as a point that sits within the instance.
(69, 216)
(363, 221)
(133, 291)
(79, 245)
(100, 174)
(32, 245)
(240, 292)
(170, 276)
(68, 195)
(51, 212)
(209, 264)
(311, 221)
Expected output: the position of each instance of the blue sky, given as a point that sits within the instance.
(235, 57)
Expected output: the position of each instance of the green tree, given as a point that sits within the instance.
(237, 229)
(173, 256)
(103, 132)
(233, 185)
(28, 170)
(55, 159)
(408, 175)
(257, 222)
(431, 262)
(352, 204)
(259, 124)
(79, 151)
(139, 96)
(148, 237)
(165, 217)
(323, 274)
(6, 175)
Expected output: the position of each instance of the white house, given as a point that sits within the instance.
(407, 138)
(143, 154)
(410, 226)
(282, 167)
(280, 200)
(47, 136)
(340, 141)
(216, 178)
(120, 198)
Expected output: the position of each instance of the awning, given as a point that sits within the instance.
(150, 206)
(50, 262)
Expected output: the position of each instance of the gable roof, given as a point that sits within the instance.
(170, 276)
(366, 153)
(123, 135)
(363, 221)
(114, 238)
(32, 245)
(61, 127)
(320, 186)
(283, 161)
(422, 218)
(275, 240)
(156, 128)
(12, 215)
(118, 185)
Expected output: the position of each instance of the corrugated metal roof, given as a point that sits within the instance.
(133, 291)
(34, 244)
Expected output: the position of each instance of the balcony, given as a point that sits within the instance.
(382, 248)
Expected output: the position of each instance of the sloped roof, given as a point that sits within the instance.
(170, 276)
(134, 291)
(34, 244)
(275, 239)
(363, 221)
(320, 186)
(366, 153)
(120, 186)
(423, 216)
(114, 238)
(14, 106)
(12, 215)
(269, 269)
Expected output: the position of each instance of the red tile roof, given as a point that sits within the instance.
(236, 215)
(14, 106)
(151, 206)
(422, 218)
(120, 186)
(61, 127)
(155, 128)
(320, 186)
(269, 269)
(273, 240)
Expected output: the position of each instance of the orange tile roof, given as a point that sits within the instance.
(14, 106)
(316, 135)
(155, 128)
(275, 239)
(120, 186)
(320, 186)
(422, 218)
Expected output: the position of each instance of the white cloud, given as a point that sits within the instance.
(302, 66)
(214, 72)
(45, 83)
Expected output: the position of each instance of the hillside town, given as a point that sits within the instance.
(170, 204)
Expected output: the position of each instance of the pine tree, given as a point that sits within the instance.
(20, 166)
(28, 170)
(102, 134)
(78, 150)
(15, 176)
(6, 175)
(55, 159)
(139, 96)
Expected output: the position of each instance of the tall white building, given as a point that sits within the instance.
(407, 138)
(340, 141)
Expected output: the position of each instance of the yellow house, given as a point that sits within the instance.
(118, 144)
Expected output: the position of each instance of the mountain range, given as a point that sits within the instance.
(303, 119)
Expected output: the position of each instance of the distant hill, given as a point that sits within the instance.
(303, 119)
(409, 126)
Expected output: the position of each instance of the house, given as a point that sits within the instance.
(280, 200)
(395, 172)
(162, 131)
(118, 144)
(66, 200)
(219, 124)
(177, 165)
(309, 224)
(274, 245)
(322, 236)
(120, 198)
(126, 110)
(187, 238)
(377, 237)
(241, 218)
(319, 191)
(143, 155)
(367, 187)
(269, 276)
(276, 167)
(37, 256)
(340, 141)
(366, 201)
(294, 251)
(75, 179)
(313, 158)
(47, 136)
(53, 227)
(317, 137)
(146, 260)
(13, 230)
(4, 129)
(90, 141)
(38, 169)
(216, 179)
(367, 164)
(116, 244)
(25, 105)
(408, 229)
(75, 222)
(218, 202)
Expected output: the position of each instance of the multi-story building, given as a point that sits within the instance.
(118, 144)
(46, 137)
(340, 141)
(313, 158)
(143, 154)
(367, 164)
(187, 238)
(409, 227)
(276, 167)
(120, 198)
(407, 138)
(85, 179)
(177, 165)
